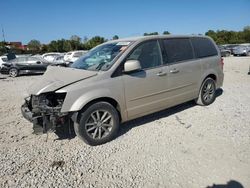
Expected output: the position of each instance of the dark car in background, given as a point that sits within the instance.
(224, 51)
(231, 47)
(24, 65)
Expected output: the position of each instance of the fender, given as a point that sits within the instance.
(89, 96)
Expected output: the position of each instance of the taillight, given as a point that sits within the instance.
(221, 62)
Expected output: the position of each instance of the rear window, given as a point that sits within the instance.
(178, 50)
(203, 47)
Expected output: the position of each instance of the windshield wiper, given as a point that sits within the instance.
(100, 65)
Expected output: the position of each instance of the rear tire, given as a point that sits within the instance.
(207, 92)
(13, 72)
(98, 124)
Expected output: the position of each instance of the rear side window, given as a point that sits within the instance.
(203, 47)
(178, 50)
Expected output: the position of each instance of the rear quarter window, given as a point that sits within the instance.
(203, 47)
(178, 49)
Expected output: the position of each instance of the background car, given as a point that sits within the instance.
(242, 50)
(74, 55)
(24, 65)
(50, 56)
(59, 61)
(3, 59)
(230, 47)
(224, 51)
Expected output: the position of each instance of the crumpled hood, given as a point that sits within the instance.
(58, 77)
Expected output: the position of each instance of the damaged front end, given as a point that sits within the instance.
(44, 111)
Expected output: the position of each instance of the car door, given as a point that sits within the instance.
(36, 64)
(21, 63)
(144, 89)
(183, 70)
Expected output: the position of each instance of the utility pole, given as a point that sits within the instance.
(3, 34)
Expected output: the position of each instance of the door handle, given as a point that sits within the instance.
(161, 74)
(174, 71)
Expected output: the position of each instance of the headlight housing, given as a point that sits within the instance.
(48, 100)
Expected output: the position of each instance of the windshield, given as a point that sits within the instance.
(101, 57)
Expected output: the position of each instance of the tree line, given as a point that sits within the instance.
(74, 43)
(230, 37)
(64, 45)
(61, 45)
(77, 43)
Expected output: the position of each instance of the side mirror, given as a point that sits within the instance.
(132, 65)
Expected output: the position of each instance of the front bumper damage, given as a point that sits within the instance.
(44, 111)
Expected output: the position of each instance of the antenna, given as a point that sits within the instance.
(3, 34)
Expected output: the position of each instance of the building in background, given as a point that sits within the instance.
(17, 45)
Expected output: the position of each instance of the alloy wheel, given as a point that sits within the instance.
(99, 124)
(208, 91)
(13, 72)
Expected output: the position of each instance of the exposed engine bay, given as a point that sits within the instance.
(44, 111)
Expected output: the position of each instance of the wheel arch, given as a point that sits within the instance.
(113, 102)
(212, 75)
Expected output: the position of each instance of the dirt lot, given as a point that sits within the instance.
(185, 146)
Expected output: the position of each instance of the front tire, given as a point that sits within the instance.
(13, 72)
(207, 92)
(98, 124)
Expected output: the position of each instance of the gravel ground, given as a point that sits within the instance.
(185, 146)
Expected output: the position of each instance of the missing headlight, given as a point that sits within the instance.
(54, 99)
(46, 109)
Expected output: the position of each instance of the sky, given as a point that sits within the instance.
(46, 20)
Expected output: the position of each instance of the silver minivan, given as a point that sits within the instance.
(121, 80)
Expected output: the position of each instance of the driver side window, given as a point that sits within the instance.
(148, 53)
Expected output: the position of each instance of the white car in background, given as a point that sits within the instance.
(50, 56)
(74, 55)
(59, 61)
(3, 59)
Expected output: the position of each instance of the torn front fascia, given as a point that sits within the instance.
(46, 109)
